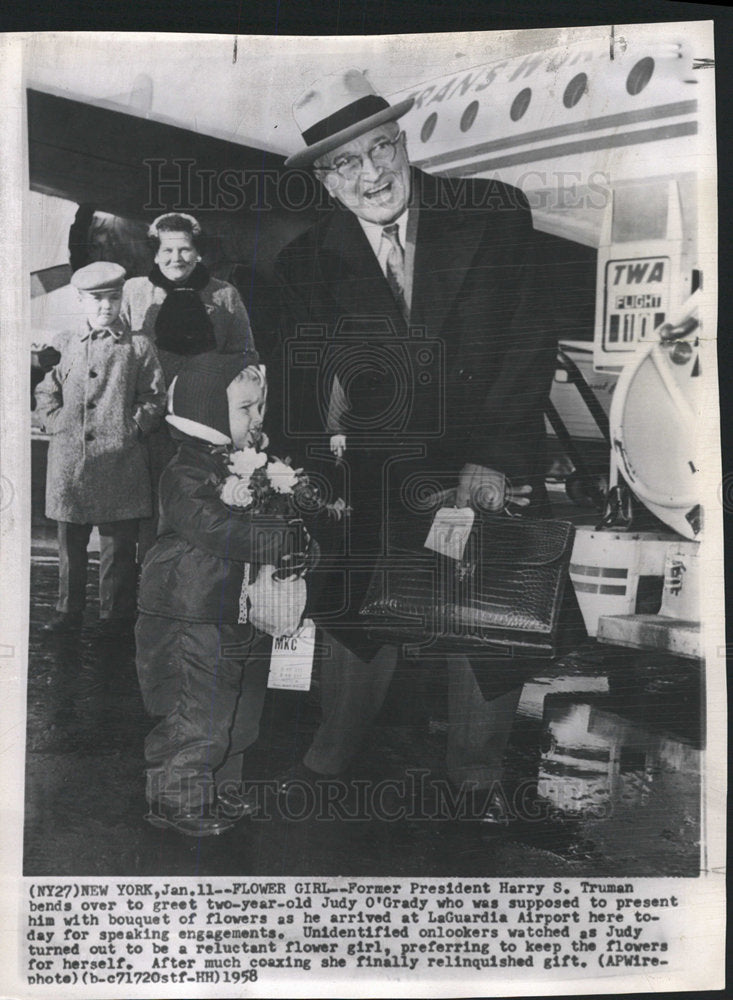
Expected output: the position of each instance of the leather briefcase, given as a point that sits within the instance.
(504, 595)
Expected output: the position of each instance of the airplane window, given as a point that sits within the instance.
(428, 127)
(469, 116)
(639, 75)
(520, 104)
(575, 90)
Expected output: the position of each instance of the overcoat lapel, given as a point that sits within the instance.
(352, 272)
(448, 236)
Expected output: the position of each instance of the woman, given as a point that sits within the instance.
(184, 311)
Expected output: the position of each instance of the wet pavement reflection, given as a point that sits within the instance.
(610, 739)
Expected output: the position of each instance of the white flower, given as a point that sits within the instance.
(243, 463)
(282, 476)
(235, 492)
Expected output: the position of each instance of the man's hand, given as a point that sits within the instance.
(338, 445)
(487, 489)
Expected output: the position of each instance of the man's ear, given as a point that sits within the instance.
(331, 180)
(324, 177)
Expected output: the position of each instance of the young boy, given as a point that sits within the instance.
(101, 399)
(198, 668)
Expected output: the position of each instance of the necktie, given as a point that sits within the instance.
(396, 265)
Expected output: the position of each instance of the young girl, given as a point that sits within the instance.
(198, 666)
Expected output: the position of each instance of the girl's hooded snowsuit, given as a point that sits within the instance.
(198, 668)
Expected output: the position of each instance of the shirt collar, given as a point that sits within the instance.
(116, 330)
(373, 231)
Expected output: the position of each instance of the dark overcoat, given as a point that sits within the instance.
(465, 380)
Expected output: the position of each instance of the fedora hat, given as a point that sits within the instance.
(339, 108)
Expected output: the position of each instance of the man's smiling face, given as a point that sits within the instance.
(376, 193)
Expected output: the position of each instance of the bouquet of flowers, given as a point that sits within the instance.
(275, 599)
(262, 484)
(267, 485)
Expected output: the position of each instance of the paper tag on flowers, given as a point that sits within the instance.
(449, 531)
(291, 663)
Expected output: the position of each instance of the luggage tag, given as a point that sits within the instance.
(449, 531)
(291, 662)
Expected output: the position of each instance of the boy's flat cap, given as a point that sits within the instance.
(101, 276)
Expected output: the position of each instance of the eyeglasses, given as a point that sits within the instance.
(381, 154)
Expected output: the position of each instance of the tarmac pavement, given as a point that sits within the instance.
(612, 739)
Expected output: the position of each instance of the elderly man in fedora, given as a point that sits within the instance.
(458, 261)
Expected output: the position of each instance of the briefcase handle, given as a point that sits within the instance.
(447, 498)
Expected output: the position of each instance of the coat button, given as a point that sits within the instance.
(88, 437)
(92, 374)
